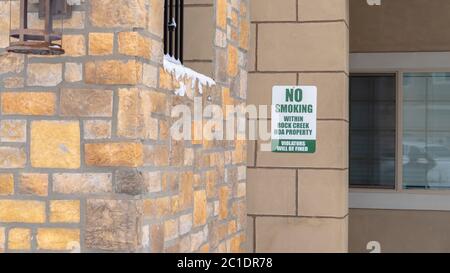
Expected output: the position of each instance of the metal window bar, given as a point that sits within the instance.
(173, 28)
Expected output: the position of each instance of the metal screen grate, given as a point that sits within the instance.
(173, 28)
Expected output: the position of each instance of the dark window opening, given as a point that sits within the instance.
(373, 131)
(173, 28)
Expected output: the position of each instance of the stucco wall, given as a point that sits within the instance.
(298, 202)
(87, 162)
(399, 26)
(399, 231)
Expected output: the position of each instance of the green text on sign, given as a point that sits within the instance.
(294, 119)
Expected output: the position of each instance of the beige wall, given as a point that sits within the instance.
(400, 25)
(399, 230)
(199, 35)
(298, 202)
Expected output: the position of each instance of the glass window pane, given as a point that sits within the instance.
(360, 173)
(414, 116)
(360, 145)
(413, 86)
(372, 130)
(384, 145)
(361, 88)
(426, 141)
(441, 87)
(383, 88)
(384, 115)
(438, 115)
(360, 114)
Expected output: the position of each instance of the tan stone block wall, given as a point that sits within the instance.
(305, 47)
(87, 161)
(271, 184)
(301, 234)
(332, 145)
(298, 202)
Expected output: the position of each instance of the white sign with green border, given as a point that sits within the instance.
(294, 119)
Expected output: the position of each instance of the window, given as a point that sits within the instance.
(372, 130)
(173, 28)
(426, 130)
(422, 129)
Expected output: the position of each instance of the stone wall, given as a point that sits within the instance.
(298, 202)
(87, 162)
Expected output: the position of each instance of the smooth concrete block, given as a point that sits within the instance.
(270, 10)
(303, 47)
(323, 10)
(252, 51)
(271, 191)
(301, 235)
(200, 27)
(323, 193)
(260, 86)
(251, 146)
(332, 150)
(250, 235)
(332, 93)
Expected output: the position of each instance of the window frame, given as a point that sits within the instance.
(399, 73)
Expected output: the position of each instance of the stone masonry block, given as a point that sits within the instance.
(82, 183)
(42, 74)
(6, 184)
(28, 103)
(55, 144)
(12, 157)
(125, 154)
(86, 103)
(113, 72)
(101, 43)
(118, 13)
(113, 225)
(58, 239)
(22, 211)
(130, 181)
(34, 184)
(65, 211)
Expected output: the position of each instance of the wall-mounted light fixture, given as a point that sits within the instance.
(39, 41)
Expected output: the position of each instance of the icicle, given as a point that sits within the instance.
(181, 72)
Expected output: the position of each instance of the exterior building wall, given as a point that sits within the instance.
(87, 162)
(399, 231)
(400, 26)
(298, 202)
